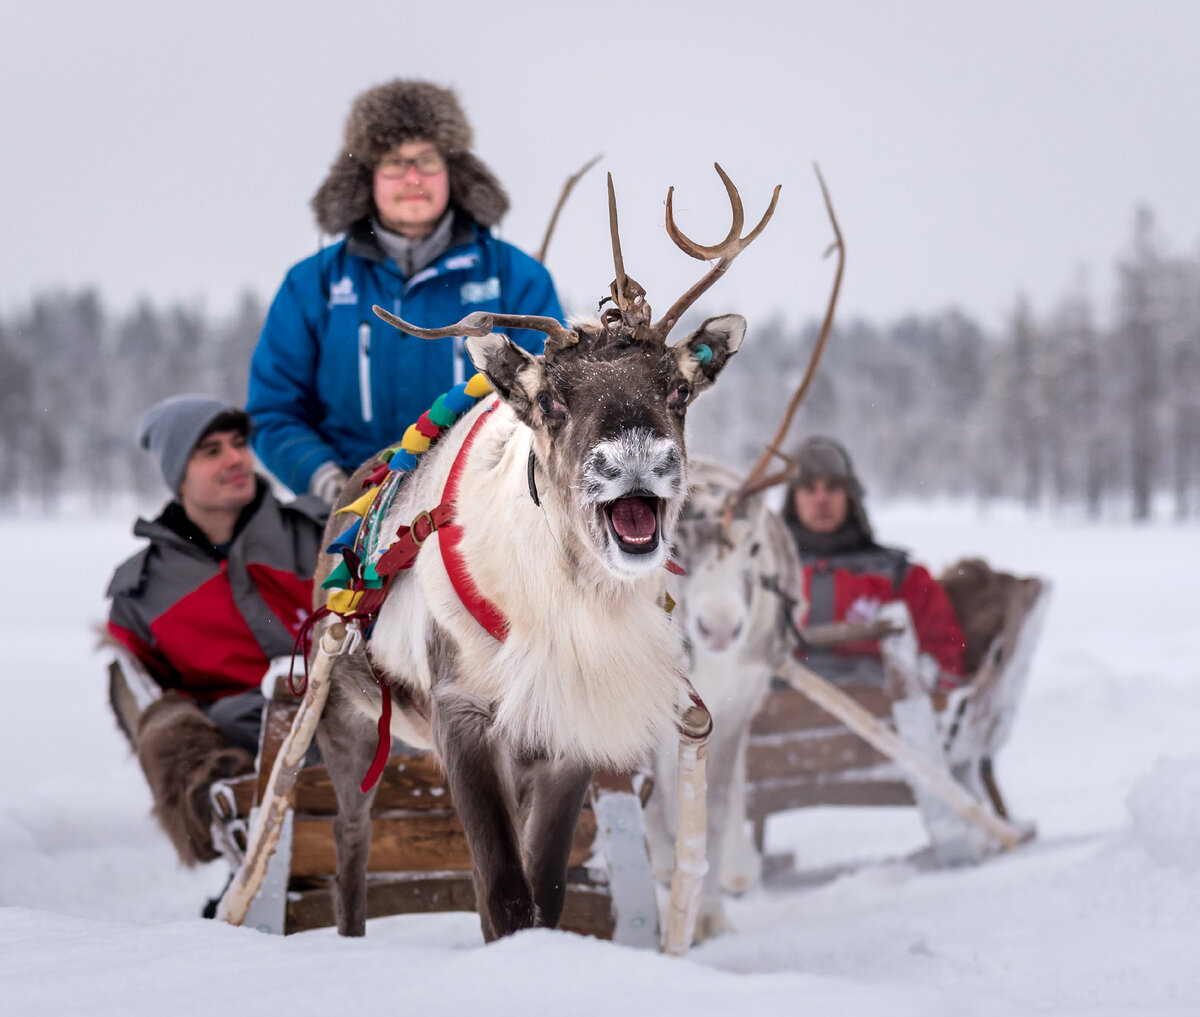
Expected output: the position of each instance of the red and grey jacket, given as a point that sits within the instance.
(208, 623)
(850, 586)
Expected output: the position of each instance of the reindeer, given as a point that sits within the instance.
(564, 494)
(738, 597)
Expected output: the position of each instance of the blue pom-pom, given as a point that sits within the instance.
(702, 353)
(457, 400)
(402, 460)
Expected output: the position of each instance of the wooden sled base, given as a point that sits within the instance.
(800, 755)
(419, 861)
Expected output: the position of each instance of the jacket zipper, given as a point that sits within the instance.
(364, 369)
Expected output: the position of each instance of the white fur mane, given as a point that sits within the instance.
(589, 670)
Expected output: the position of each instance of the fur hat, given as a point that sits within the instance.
(828, 459)
(386, 116)
(170, 430)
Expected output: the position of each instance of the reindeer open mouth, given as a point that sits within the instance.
(633, 522)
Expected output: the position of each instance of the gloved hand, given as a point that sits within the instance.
(327, 482)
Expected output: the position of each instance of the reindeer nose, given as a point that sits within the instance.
(717, 637)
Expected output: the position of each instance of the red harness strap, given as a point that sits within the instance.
(403, 553)
(482, 610)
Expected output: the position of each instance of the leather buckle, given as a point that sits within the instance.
(412, 528)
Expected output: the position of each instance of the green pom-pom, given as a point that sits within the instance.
(702, 353)
(440, 414)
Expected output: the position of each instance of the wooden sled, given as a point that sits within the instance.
(799, 755)
(419, 861)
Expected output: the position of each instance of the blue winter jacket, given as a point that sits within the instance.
(329, 380)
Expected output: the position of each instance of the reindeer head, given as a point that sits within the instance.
(730, 564)
(607, 400)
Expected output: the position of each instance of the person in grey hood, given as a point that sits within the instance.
(848, 576)
(219, 591)
(330, 383)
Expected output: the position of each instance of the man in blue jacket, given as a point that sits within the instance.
(330, 383)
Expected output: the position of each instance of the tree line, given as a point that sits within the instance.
(1054, 410)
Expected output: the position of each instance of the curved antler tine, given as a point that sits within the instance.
(557, 336)
(757, 479)
(477, 323)
(699, 251)
(480, 323)
(725, 252)
(618, 260)
(762, 223)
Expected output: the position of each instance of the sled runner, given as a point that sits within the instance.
(800, 755)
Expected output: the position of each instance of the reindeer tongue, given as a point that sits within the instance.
(633, 519)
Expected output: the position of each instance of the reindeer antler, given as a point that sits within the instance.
(628, 294)
(728, 249)
(758, 480)
(480, 323)
(568, 187)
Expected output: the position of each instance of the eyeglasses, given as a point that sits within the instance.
(427, 164)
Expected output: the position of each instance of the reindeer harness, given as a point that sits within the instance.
(359, 583)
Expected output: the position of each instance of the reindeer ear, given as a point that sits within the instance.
(704, 354)
(512, 372)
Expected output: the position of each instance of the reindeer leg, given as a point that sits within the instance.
(483, 799)
(557, 797)
(347, 740)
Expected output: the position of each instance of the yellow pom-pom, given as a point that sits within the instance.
(414, 441)
(478, 386)
(359, 507)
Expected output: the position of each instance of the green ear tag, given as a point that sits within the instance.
(702, 353)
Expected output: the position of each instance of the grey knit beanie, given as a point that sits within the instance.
(171, 429)
(828, 459)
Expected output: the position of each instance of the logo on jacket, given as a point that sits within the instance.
(478, 292)
(342, 292)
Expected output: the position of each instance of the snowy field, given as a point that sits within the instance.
(1100, 915)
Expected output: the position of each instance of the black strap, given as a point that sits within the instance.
(533, 491)
(790, 603)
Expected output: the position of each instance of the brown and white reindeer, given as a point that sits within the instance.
(737, 599)
(547, 515)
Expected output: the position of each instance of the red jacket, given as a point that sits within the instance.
(208, 625)
(850, 587)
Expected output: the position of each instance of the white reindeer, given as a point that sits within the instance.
(738, 600)
(735, 626)
(564, 493)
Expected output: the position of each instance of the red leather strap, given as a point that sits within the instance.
(482, 610)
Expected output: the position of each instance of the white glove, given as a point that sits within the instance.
(327, 482)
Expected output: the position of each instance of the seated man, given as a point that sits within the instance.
(847, 576)
(220, 590)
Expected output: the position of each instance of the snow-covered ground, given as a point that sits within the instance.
(1100, 915)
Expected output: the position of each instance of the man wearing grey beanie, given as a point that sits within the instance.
(218, 592)
(848, 576)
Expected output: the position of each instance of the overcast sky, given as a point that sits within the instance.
(972, 149)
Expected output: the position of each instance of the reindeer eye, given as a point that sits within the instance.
(754, 549)
(545, 403)
(679, 397)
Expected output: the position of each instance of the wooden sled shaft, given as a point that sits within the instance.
(691, 834)
(915, 765)
(280, 790)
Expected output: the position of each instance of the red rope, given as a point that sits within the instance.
(385, 739)
(303, 645)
